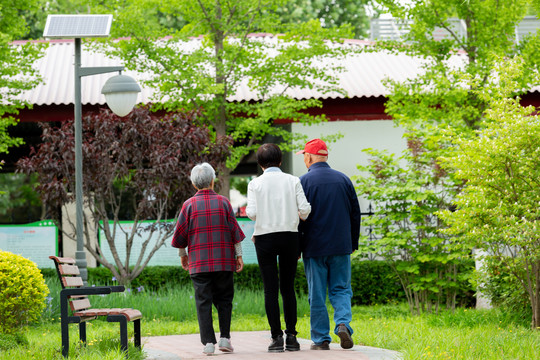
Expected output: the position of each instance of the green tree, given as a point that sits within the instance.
(331, 13)
(477, 32)
(498, 210)
(459, 43)
(140, 165)
(16, 72)
(407, 229)
(207, 72)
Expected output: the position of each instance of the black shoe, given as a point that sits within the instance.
(345, 336)
(324, 346)
(291, 344)
(276, 345)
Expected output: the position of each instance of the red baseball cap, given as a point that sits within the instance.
(315, 147)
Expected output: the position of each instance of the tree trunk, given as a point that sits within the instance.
(225, 182)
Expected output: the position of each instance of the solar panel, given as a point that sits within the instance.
(77, 26)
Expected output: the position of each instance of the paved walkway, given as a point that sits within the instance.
(253, 345)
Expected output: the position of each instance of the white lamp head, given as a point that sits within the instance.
(121, 94)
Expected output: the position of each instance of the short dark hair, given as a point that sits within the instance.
(269, 155)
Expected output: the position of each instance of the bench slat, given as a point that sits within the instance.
(68, 270)
(130, 314)
(81, 304)
(63, 260)
(69, 281)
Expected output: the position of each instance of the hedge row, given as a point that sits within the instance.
(373, 282)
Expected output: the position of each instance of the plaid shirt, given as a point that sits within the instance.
(208, 228)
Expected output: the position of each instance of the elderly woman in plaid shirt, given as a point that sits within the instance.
(208, 228)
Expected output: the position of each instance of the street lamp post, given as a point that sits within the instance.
(121, 97)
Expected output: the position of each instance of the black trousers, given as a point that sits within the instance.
(271, 248)
(213, 288)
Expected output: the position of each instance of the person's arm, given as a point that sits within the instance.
(304, 207)
(180, 236)
(355, 217)
(251, 208)
(184, 260)
(239, 264)
(238, 234)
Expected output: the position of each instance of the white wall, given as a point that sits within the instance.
(346, 153)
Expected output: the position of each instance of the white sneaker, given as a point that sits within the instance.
(225, 345)
(209, 349)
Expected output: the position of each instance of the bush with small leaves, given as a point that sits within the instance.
(22, 292)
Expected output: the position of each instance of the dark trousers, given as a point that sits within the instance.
(213, 288)
(271, 248)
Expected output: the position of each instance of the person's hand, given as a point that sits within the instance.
(239, 264)
(185, 263)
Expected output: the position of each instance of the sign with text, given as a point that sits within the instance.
(166, 255)
(35, 241)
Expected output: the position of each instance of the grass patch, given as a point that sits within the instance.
(463, 334)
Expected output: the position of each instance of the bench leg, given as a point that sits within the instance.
(122, 320)
(64, 323)
(82, 332)
(137, 333)
(65, 337)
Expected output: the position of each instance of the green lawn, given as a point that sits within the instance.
(464, 334)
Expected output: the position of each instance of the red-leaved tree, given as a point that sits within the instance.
(137, 166)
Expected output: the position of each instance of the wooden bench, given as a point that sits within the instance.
(76, 294)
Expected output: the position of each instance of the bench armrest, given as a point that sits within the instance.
(92, 290)
(118, 288)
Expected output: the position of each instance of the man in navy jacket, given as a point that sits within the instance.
(328, 237)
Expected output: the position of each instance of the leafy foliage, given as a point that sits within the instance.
(329, 12)
(445, 98)
(218, 54)
(498, 210)
(457, 64)
(10, 341)
(139, 164)
(406, 228)
(22, 292)
(373, 282)
(16, 72)
(19, 203)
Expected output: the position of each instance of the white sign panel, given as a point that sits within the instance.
(36, 241)
(249, 255)
(166, 255)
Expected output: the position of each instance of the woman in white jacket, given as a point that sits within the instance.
(277, 203)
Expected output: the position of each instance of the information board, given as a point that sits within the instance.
(248, 247)
(166, 255)
(36, 241)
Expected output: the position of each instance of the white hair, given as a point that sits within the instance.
(202, 175)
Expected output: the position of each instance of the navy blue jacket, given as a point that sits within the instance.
(333, 227)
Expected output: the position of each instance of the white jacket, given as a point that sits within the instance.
(276, 201)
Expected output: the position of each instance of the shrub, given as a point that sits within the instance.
(22, 292)
(502, 287)
(373, 282)
(9, 341)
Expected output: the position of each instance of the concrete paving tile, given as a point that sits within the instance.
(253, 345)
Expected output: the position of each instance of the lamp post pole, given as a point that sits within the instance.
(80, 254)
